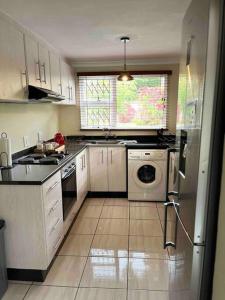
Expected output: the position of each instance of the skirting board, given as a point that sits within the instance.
(107, 194)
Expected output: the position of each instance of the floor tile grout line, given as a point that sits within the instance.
(128, 260)
(24, 297)
(88, 256)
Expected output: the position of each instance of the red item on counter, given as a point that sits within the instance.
(59, 138)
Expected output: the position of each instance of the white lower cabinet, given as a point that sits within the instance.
(107, 167)
(82, 175)
(98, 166)
(34, 223)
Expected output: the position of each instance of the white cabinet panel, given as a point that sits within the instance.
(65, 82)
(117, 169)
(107, 167)
(98, 169)
(44, 66)
(82, 175)
(55, 73)
(12, 62)
(32, 59)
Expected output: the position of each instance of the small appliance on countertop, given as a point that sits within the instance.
(5, 151)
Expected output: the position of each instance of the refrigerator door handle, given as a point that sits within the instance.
(165, 242)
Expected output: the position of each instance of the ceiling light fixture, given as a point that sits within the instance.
(125, 75)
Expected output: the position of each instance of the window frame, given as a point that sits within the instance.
(157, 72)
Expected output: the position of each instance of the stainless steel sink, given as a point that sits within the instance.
(104, 142)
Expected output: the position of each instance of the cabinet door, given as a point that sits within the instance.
(72, 87)
(117, 169)
(55, 73)
(85, 172)
(98, 169)
(12, 62)
(32, 60)
(79, 176)
(65, 82)
(44, 66)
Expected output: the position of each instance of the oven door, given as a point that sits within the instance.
(69, 191)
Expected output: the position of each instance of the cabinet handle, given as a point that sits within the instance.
(52, 187)
(60, 85)
(111, 157)
(56, 244)
(26, 77)
(43, 66)
(54, 227)
(69, 92)
(82, 164)
(53, 207)
(102, 157)
(39, 71)
(84, 161)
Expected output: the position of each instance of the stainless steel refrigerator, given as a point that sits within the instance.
(188, 214)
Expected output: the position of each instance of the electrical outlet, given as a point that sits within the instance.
(26, 141)
(40, 137)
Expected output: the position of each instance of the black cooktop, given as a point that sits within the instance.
(40, 159)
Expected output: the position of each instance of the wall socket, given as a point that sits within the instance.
(40, 136)
(26, 142)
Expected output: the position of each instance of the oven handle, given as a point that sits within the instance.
(69, 173)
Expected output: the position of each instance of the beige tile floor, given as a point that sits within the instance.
(113, 251)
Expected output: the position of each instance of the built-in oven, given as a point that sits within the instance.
(69, 187)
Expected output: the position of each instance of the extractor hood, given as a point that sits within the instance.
(43, 95)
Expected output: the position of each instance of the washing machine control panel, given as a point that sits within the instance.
(147, 154)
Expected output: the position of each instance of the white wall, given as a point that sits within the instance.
(27, 119)
(219, 273)
(69, 117)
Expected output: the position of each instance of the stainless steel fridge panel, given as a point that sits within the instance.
(189, 130)
(186, 265)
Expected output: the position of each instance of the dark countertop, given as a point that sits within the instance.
(38, 174)
(35, 174)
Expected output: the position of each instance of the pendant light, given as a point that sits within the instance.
(125, 75)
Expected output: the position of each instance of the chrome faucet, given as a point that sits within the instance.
(108, 133)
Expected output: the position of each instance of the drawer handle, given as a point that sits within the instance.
(54, 227)
(52, 209)
(57, 243)
(52, 187)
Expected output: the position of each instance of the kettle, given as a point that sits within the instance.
(59, 138)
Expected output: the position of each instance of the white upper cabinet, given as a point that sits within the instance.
(72, 86)
(65, 82)
(12, 62)
(33, 63)
(55, 73)
(24, 60)
(44, 66)
(68, 84)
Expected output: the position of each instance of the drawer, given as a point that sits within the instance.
(53, 214)
(52, 187)
(54, 239)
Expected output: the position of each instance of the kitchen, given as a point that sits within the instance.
(108, 186)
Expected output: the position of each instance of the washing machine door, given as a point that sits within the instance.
(147, 174)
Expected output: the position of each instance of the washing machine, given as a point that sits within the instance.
(147, 174)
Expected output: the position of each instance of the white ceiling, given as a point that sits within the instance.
(91, 29)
